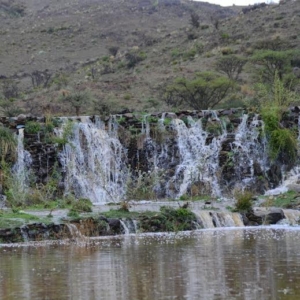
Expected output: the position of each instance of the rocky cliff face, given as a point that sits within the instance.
(163, 155)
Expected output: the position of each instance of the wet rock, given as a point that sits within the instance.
(254, 219)
(264, 216)
(274, 216)
(21, 118)
(294, 187)
(115, 225)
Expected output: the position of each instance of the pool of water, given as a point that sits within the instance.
(235, 263)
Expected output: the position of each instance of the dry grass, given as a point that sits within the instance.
(74, 38)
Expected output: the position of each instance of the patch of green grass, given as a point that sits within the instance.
(11, 219)
(58, 203)
(82, 205)
(186, 197)
(283, 200)
(120, 213)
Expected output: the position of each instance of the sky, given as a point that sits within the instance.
(237, 2)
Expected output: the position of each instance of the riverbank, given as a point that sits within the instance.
(137, 217)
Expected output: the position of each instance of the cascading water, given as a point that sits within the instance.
(190, 157)
(184, 157)
(21, 168)
(199, 160)
(94, 164)
(249, 150)
(210, 219)
(129, 226)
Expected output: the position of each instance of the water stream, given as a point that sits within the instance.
(94, 163)
(183, 159)
(245, 263)
(21, 168)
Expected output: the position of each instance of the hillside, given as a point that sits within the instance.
(122, 52)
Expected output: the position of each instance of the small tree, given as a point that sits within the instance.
(216, 22)
(231, 65)
(195, 20)
(205, 91)
(77, 99)
(9, 88)
(40, 78)
(134, 57)
(269, 62)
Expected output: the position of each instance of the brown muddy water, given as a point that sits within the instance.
(235, 263)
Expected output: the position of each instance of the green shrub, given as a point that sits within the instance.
(225, 36)
(133, 58)
(226, 51)
(274, 102)
(73, 214)
(82, 205)
(127, 97)
(178, 219)
(142, 187)
(32, 127)
(243, 201)
(8, 143)
(176, 53)
(190, 54)
(283, 141)
(67, 132)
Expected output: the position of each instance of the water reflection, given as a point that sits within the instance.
(211, 264)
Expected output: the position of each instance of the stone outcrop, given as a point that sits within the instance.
(262, 216)
(144, 136)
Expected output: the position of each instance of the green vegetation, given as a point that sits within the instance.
(32, 127)
(243, 201)
(134, 57)
(274, 103)
(13, 219)
(122, 214)
(231, 65)
(286, 200)
(66, 134)
(268, 63)
(8, 143)
(77, 99)
(142, 187)
(81, 206)
(169, 219)
(186, 197)
(205, 91)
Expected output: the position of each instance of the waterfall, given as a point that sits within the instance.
(94, 164)
(24, 233)
(129, 226)
(74, 232)
(204, 218)
(249, 151)
(228, 219)
(209, 219)
(199, 160)
(21, 168)
(290, 178)
(189, 155)
(186, 157)
(292, 217)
